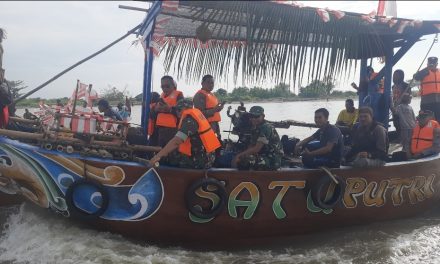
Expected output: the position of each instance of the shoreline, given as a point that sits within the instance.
(272, 100)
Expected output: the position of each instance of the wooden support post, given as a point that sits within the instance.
(362, 76)
(389, 63)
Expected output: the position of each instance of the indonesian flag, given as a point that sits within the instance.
(387, 8)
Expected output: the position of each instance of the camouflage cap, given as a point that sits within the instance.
(256, 110)
(184, 104)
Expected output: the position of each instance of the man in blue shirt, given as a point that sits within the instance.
(123, 111)
(104, 107)
(325, 146)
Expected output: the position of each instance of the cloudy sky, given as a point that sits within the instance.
(44, 38)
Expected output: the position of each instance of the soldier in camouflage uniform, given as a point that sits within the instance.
(199, 158)
(265, 150)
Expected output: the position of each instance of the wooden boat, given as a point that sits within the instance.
(239, 207)
(227, 207)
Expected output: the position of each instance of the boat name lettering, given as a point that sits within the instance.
(416, 188)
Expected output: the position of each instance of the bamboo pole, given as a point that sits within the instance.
(115, 145)
(288, 123)
(22, 120)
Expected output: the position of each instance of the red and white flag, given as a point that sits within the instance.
(402, 26)
(338, 14)
(323, 14)
(387, 8)
(84, 92)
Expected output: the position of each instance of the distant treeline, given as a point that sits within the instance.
(317, 89)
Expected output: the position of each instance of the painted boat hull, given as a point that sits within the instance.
(260, 207)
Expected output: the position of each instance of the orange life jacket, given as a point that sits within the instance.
(151, 122)
(423, 137)
(4, 117)
(211, 102)
(431, 83)
(380, 83)
(168, 119)
(206, 134)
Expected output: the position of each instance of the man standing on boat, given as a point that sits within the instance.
(370, 142)
(327, 146)
(195, 140)
(265, 150)
(208, 104)
(429, 79)
(166, 122)
(399, 88)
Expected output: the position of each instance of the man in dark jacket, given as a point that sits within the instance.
(370, 142)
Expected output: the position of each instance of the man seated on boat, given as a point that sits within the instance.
(425, 139)
(166, 121)
(325, 146)
(29, 115)
(265, 150)
(241, 126)
(195, 141)
(104, 107)
(347, 118)
(123, 111)
(370, 142)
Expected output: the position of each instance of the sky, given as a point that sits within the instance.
(44, 38)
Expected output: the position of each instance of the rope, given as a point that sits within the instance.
(330, 174)
(77, 64)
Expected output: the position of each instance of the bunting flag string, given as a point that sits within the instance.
(158, 39)
(402, 25)
(338, 14)
(323, 14)
(392, 22)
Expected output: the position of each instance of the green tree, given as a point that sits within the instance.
(318, 88)
(16, 87)
(112, 94)
(221, 94)
(240, 93)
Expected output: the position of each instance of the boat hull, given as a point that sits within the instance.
(258, 207)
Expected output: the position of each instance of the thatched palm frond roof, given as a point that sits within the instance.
(266, 39)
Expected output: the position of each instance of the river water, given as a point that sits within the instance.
(32, 235)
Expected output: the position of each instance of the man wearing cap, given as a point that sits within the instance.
(429, 79)
(195, 140)
(325, 146)
(370, 142)
(425, 139)
(265, 150)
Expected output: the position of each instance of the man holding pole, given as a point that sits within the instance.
(429, 78)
